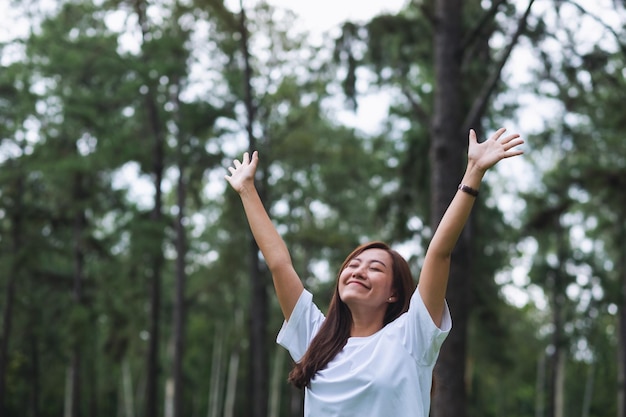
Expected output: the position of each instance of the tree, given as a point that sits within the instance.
(16, 107)
(103, 90)
(79, 104)
(580, 148)
(441, 95)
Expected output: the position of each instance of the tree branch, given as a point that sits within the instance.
(480, 103)
(418, 110)
(426, 11)
(622, 47)
(476, 31)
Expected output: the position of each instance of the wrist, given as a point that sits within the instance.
(469, 190)
(247, 190)
(473, 175)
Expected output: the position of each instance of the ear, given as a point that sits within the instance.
(393, 298)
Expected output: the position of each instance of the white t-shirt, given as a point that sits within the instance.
(386, 374)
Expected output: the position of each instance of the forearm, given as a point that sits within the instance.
(434, 276)
(286, 281)
(436, 268)
(265, 234)
(456, 215)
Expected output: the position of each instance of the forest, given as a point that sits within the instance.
(130, 285)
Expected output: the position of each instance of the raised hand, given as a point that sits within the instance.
(241, 176)
(486, 154)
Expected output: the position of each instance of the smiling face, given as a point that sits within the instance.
(367, 280)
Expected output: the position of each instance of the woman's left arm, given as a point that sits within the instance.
(433, 278)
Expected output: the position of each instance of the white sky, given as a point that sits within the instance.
(321, 15)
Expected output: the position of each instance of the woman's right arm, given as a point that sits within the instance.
(286, 281)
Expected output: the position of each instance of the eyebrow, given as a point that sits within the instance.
(371, 261)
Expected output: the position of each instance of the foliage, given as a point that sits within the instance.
(77, 239)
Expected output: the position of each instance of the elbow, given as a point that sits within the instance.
(279, 264)
(441, 256)
(439, 250)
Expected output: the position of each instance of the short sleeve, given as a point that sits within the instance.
(420, 335)
(296, 333)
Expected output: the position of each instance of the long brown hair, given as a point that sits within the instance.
(335, 331)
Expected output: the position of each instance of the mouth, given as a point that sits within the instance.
(357, 283)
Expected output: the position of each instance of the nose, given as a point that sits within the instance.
(358, 271)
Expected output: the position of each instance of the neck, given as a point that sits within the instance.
(366, 324)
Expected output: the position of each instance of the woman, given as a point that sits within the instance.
(374, 353)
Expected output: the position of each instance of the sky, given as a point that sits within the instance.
(321, 15)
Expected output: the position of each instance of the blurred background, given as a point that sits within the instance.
(129, 283)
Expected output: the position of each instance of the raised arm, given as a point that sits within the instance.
(286, 281)
(435, 271)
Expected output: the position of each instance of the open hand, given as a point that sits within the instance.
(486, 154)
(242, 173)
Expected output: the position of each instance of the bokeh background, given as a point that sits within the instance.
(129, 284)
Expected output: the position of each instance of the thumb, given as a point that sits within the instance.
(472, 137)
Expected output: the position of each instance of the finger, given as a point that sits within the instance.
(236, 163)
(255, 159)
(472, 136)
(498, 133)
(513, 143)
(514, 152)
(246, 158)
(509, 138)
(232, 170)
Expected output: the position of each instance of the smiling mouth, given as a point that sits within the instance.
(358, 283)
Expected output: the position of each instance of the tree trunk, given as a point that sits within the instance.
(259, 366)
(558, 300)
(588, 396)
(215, 384)
(68, 400)
(540, 386)
(92, 372)
(215, 381)
(155, 127)
(258, 345)
(153, 373)
(559, 395)
(7, 313)
(555, 356)
(277, 380)
(127, 390)
(621, 352)
(448, 147)
(557, 366)
(179, 301)
(231, 383)
(34, 376)
(75, 383)
(296, 403)
(168, 398)
(621, 345)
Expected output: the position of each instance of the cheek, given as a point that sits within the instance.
(345, 274)
(342, 278)
(386, 283)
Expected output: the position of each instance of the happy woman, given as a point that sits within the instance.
(374, 351)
